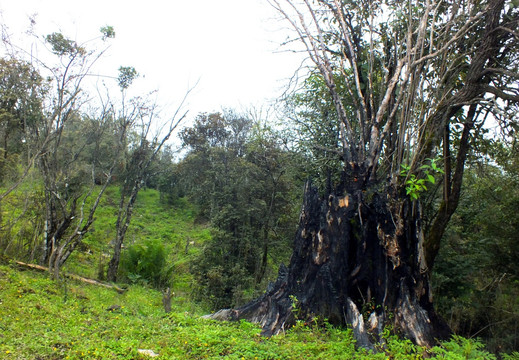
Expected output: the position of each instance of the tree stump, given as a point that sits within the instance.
(358, 254)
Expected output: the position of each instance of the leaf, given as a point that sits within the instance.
(127, 74)
(108, 32)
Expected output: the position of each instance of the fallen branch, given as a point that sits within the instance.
(73, 276)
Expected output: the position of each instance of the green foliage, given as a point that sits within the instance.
(127, 74)
(20, 239)
(460, 348)
(21, 95)
(108, 32)
(475, 278)
(155, 222)
(224, 271)
(62, 46)
(415, 185)
(512, 356)
(36, 322)
(147, 261)
(295, 306)
(314, 130)
(238, 175)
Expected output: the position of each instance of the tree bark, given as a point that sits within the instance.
(358, 255)
(123, 222)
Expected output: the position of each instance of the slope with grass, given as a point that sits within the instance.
(43, 319)
(173, 227)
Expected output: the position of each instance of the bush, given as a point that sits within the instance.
(146, 263)
(462, 349)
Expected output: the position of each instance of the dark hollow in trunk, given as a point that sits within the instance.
(358, 255)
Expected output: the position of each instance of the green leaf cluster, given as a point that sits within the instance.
(108, 32)
(127, 74)
(147, 262)
(62, 46)
(417, 184)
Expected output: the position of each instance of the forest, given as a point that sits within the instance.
(370, 214)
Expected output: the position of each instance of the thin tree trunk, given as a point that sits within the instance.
(451, 192)
(113, 264)
(264, 257)
(123, 222)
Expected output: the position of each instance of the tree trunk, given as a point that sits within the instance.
(358, 255)
(113, 264)
(123, 222)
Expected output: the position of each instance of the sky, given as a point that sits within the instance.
(228, 50)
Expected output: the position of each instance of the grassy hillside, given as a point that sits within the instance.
(42, 319)
(172, 226)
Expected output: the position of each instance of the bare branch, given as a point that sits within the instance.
(504, 94)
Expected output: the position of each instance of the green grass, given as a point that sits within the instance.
(173, 226)
(47, 320)
(43, 319)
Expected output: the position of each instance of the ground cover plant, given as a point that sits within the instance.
(45, 319)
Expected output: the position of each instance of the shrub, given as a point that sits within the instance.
(146, 263)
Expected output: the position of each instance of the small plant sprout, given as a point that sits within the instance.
(415, 185)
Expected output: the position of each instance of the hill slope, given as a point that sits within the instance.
(42, 319)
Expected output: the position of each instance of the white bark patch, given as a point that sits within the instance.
(354, 317)
(413, 319)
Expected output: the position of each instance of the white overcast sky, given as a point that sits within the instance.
(230, 47)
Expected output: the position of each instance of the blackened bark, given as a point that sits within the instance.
(357, 255)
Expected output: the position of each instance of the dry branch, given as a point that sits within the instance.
(72, 276)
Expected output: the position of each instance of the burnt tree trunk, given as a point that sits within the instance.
(358, 254)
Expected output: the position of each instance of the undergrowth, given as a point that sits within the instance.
(44, 319)
(48, 320)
